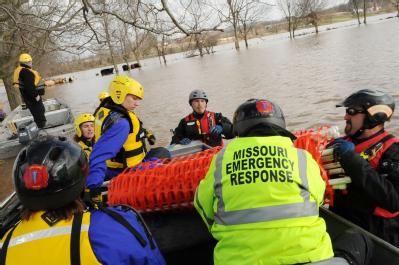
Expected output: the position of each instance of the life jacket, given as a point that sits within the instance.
(133, 150)
(39, 83)
(205, 124)
(86, 148)
(36, 240)
(372, 151)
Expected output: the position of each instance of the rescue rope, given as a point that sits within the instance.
(171, 183)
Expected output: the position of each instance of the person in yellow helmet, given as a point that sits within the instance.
(260, 198)
(119, 133)
(84, 132)
(102, 95)
(31, 87)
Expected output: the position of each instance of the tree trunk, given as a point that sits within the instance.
(245, 34)
(364, 12)
(13, 95)
(397, 8)
(163, 49)
(290, 27)
(108, 39)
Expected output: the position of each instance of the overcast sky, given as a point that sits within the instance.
(275, 13)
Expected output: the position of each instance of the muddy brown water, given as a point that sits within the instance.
(306, 77)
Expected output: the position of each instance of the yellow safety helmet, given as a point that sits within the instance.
(103, 95)
(24, 58)
(82, 118)
(123, 85)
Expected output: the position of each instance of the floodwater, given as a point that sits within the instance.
(306, 77)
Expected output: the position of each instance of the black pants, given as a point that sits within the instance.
(37, 110)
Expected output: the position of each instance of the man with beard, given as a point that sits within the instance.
(369, 155)
(206, 126)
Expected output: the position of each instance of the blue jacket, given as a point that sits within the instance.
(113, 244)
(106, 148)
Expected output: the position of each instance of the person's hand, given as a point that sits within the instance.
(92, 196)
(217, 130)
(150, 137)
(340, 147)
(185, 141)
(37, 98)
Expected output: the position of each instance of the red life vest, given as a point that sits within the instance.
(380, 145)
(205, 124)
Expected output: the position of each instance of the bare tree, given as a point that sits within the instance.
(355, 4)
(38, 29)
(287, 7)
(364, 11)
(309, 11)
(396, 4)
(249, 14)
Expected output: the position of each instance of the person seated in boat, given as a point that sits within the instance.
(28, 81)
(120, 136)
(57, 227)
(261, 195)
(84, 132)
(369, 155)
(102, 95)
(201, 124)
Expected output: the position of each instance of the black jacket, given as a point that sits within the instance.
(369, 189)
(28, 89)
(185, 130)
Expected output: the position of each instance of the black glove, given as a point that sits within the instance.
(92, 197)
(150, 137)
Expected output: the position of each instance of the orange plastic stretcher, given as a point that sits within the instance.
(171, 183)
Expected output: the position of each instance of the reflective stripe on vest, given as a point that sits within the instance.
(132, 151)
(267, 213)
(35, 242)
(42, 234)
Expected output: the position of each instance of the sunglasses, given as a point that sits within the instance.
(353, 111)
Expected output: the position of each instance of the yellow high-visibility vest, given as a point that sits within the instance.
(260, 200)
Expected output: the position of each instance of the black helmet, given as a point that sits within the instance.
(49, 173)
(378, 105)
(197, 94)
(258, 111)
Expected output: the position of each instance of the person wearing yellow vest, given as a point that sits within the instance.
(119, 133)
(84, 132)
(56, 227)
(102, 95)
(369, 155)
(261, 195)
(31, 87)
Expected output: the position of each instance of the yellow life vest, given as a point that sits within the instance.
(35, 242)
(86, 148)
(16, 83)
(132, 151)
(260, 200)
